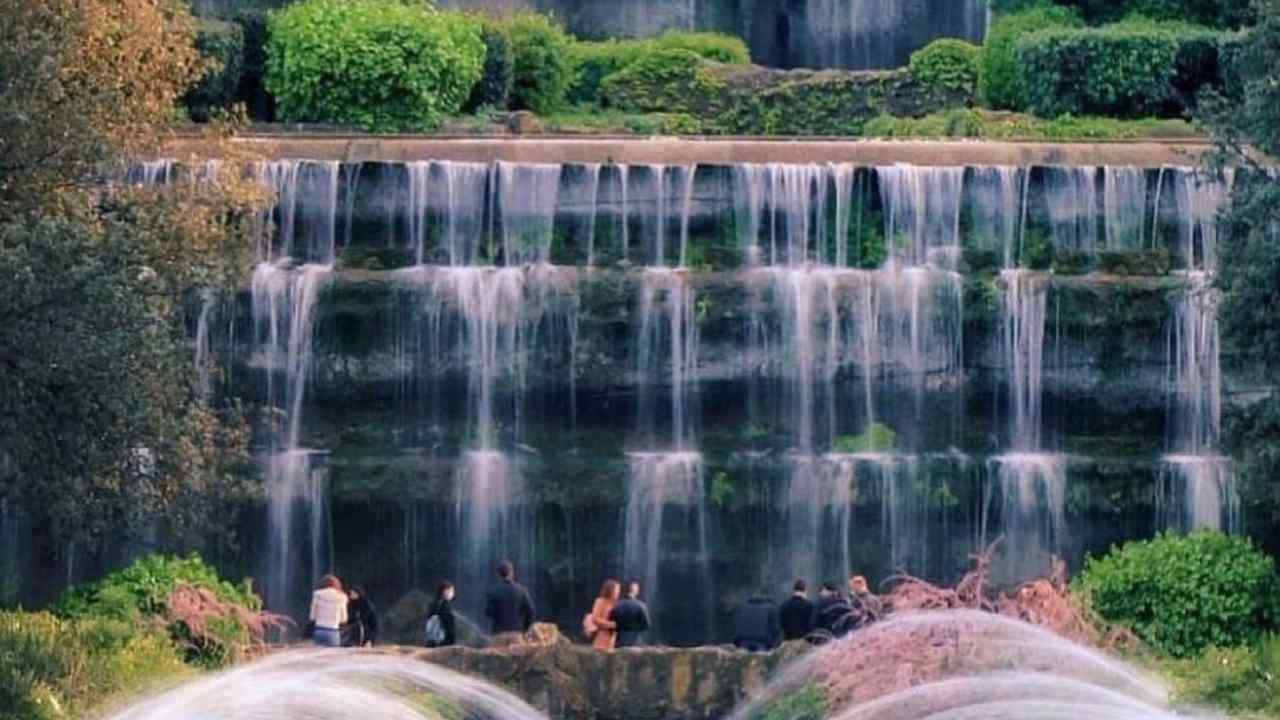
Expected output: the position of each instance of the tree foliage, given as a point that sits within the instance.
(85, 82)
(1249, 269)
(100, 430)
(542, 62)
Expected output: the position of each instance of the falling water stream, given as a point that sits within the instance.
(548, 318)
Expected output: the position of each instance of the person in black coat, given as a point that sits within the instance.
(755, 625)
(443, 607)
(632, 617)
(833, 613)
(361, 629)
(508, 605)
(797, 613)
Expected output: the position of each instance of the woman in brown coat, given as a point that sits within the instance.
(606, 630)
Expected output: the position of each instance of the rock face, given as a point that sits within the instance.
(576, 682)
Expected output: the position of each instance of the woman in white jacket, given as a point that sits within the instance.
(328, 612)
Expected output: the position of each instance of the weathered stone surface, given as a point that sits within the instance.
(576, 682)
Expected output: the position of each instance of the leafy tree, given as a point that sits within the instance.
(100, 431)
(1249, 272)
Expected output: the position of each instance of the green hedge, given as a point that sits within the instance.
(221, 44)
(542, 69)
(1182, 594)
(675, 81)
(1214, 13)
(378, 64)
(1126, 70)
(999, 82)
(948, 64)
(595, 61)
(498, 78)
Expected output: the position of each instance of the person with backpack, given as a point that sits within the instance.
(442, 626)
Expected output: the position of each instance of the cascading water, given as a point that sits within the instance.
(329, 685)
(835, 320)
(665, 513)
(1194, 472)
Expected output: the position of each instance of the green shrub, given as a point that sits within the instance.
(542, 64)
(999, 82)
(809, 702)
(719, 47)
(594, 61)
(1127, 69)
(1182, 594)
(378, 64)
(675, 81)
(498, 77)
(55, 668)
(877, 438)
(142, 593)
(221, 44)
(948, 63)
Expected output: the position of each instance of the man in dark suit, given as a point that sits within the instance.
(797, 613)
(508, 605)
(632, 617)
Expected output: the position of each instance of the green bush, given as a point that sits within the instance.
(1214, 13)
(1182, 594)
(948, 63)
(378, 64)
(676, 81)
(56, 668)
(999, 82)
(595, 61)
(1126, 69)
(719, 47)
(542, 64)
(498, 77)
(141, 593)
(221, 44)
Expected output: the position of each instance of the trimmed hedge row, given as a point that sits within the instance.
(1126, 70)
(1212, 13)
(999, 82)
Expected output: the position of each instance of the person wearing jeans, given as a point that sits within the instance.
(328, 612)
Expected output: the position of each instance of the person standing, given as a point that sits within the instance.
(797, 613)
(508, 604)
(755, 625)
(362, 628)
(328, 612)
(601, 628)
(632, 617)
(442, 616)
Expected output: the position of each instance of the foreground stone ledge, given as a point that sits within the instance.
(573, 681)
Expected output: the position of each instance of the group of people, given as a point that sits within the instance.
(341, 617)
(761, 625)
(618, 618)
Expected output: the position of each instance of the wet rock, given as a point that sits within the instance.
(577, 682)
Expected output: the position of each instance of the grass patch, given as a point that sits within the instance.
(989, 125)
